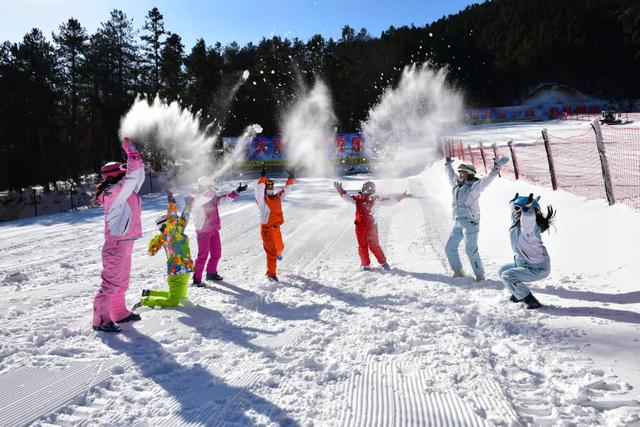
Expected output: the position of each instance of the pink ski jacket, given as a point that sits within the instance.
(122, 207)
(206, 216)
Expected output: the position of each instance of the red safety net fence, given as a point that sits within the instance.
(572, 164)
(622, 146)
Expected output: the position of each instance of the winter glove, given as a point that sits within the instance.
(170, 197)
(241, 188)
(501, 161)
(129, 148)
(291, 173)
(263, 171)
(514, 198)
(338, 186)
(188, 201)
(531, 201)
(448, 160)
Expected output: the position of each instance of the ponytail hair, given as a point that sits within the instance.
(102, 187)
(544, 222)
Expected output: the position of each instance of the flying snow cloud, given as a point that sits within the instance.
(174, 131)
(309, 131)
(403, 128)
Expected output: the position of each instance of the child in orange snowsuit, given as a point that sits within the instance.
(270, 205)
(366, 226)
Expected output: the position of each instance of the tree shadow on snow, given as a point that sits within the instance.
(626, 298)
(211, 324)
(253, 301)
(203, 397)
(350, 298)
(604, 313)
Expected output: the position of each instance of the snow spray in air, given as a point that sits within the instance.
(403, 128)
(239, 150)
(172, 131)
(308, 131)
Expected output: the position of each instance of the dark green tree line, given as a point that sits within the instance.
(61, 101)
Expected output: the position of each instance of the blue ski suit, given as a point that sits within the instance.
(531, 261)
(466, 216)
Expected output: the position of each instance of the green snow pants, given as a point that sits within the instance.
(178, 284)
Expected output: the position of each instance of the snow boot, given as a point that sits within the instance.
(198, 283)
(133, 317)
(514, 299)
(109, 327)
(146, 292)
(279, 257)
(385, 266)
(273, 278)
(365, 268)
(531, 302)
(214, 276)
(458, 274)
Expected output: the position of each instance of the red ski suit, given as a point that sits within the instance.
(366, 226)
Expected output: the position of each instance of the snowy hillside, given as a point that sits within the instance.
(330, 345)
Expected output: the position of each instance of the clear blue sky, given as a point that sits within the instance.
(226, 21)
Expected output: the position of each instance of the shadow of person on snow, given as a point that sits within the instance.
(252, 301)
(626, 298)
(448, 280)
(604, 313)
(212, 324)
(203, 397)
(350, 298)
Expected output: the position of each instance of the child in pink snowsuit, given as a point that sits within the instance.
(122, 225)
(206, 219)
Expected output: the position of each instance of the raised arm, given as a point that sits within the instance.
(484, 182)
(134, 178)
(451, 174)
(338, 186)
(391, 199)
(184, 218)
(290, 181)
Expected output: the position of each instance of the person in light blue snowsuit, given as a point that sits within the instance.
(466, 214)
(531, 261)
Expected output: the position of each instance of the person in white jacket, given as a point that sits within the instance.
(466, 190)
(531, 260)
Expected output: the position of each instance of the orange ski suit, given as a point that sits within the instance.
(271, 219)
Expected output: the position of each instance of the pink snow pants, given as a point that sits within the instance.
(109, 304)
(209, 246)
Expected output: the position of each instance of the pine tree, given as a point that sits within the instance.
(171, 68)
(154, 27)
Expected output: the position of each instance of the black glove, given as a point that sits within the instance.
(515, 198)
(241, 188)
(448, 160)
(291, 173)
(263, 171)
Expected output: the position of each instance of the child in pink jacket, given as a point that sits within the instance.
(206, 219)
(118, 192)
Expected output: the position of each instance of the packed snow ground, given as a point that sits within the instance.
(329, 345)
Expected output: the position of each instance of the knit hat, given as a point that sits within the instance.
(464, 167)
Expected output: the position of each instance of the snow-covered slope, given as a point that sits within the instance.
(330, 345)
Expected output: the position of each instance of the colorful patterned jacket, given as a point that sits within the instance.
(175, 242)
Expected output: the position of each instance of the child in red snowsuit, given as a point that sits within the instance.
(366, 227)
